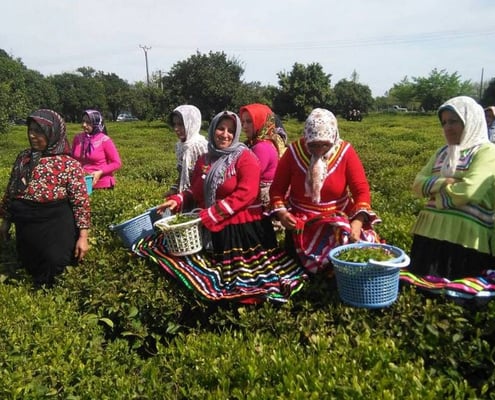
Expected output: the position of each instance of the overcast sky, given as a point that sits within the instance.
(382, 40)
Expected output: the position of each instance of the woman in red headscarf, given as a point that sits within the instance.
(265, 140)
(46, 199)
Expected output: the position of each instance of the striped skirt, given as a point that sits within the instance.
(245, 265)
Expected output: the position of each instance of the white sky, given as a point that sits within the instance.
(382, 40)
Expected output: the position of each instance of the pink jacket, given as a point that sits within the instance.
(103, 156)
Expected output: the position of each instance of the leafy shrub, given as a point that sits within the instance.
(118, 327)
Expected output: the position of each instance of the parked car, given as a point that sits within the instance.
(125, 117)
(399, 108)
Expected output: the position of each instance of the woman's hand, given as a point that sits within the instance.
(356, 226)
(96, 176)
(4, 230)
(287, 219)
(82, 245)
(171, 204)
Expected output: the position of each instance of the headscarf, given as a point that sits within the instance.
(187, 152)
(53, 127)
(96, 120)
(221, 158)
(321, 125)
(266, 124)
(259, 114)
(475, 131)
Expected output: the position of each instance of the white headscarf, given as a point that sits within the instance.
(475, 131)
(321, 125)
(187, 152)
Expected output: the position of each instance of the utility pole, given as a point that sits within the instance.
(145, 49)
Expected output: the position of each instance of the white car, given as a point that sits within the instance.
(126, 117)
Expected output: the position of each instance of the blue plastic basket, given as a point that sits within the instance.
(374, 284)
(89, 183)
(136, 228)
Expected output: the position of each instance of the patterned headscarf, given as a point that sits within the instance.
(475, 130)
(321, 125)
(96, 120)
(187, 152)
(222, 159)
(53, 127)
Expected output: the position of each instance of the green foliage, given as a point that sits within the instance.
(350, 95)
(302, 89)
(209, 81)
(117, 327)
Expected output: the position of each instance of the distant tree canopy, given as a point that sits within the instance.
(302, 89)
(213, 82)
(431, 91)
(351, 95)
(209, 81)
(488, 98)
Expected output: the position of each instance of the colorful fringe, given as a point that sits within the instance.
(465, 288)
(273, 276)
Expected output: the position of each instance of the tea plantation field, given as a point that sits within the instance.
(117, 327)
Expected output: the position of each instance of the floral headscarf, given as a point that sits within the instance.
(475, 130)
(221, 158)
(187, 152)
(53, 127)
(321, 125)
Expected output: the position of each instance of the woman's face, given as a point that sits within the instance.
(224, 133)
(489, 117)
(37, 137)
(87, 125)
(319, 148)
(247, 125)
(179, 128)
(452, 127)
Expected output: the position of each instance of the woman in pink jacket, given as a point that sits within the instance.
(95, 150)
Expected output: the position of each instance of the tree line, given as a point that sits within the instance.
(214, 82)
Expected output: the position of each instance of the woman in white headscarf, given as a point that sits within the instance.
(453, 234)
(320, 193)
(185, 120)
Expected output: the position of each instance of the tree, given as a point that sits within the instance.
(488, 98)
(403, 93)
(438, 87)
(209, 81)
(350, 95)
(77, 93)
(303, 89)
(117, 92)
(13, 98)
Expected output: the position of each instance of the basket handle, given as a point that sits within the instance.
(402, 264)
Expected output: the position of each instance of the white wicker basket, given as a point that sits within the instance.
(184, 238)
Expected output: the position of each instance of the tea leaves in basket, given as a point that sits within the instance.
(181, 218)
(364, 254)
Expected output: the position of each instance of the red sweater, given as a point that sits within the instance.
(237, 198)
(344, 189)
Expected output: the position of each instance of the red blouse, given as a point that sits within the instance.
(237, 198)
(345, 187)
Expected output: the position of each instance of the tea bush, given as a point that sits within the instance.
(117, 327)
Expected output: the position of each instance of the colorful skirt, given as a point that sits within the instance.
(480, 288)
(245, 266)
(315, 237)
